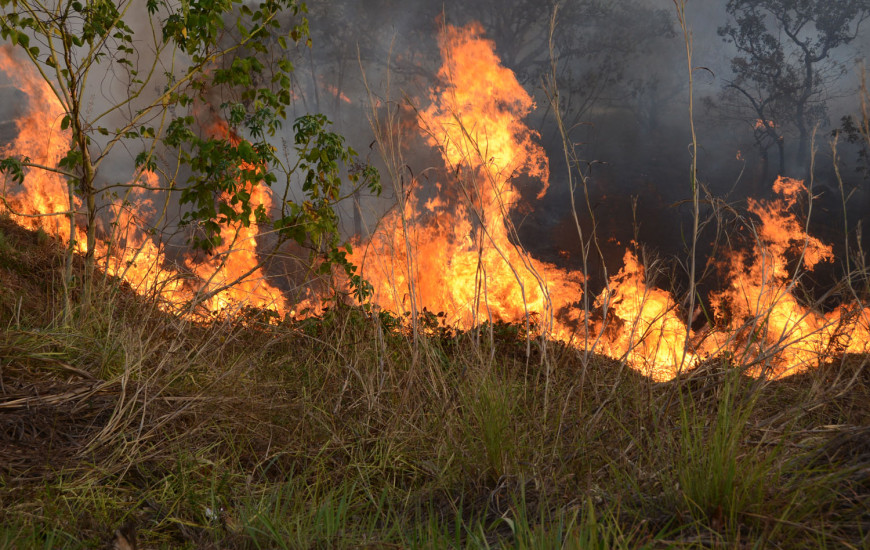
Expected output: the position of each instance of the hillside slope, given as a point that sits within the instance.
(342, 432)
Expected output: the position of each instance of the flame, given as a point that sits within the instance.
(43, 197)
(232, 275)
(128, 251)
(768, 325)
(450, 246)
(133, 256)
(456, 252)
(644, 326)
(762, 124)
(338, 93)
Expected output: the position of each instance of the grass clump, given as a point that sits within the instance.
(719, 476)
(489, 421)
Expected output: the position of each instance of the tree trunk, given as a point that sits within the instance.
(90, 254)
(765, 169)
(70, 255)
(86, 188)
(802, 169)
(780, 146)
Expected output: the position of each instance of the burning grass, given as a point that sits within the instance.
(396, 426)
(340, 432)
(454, 249)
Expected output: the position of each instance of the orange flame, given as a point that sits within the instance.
(451, 246)
(129, 252)
(233, 273)
(768, 325)
(43, 196)
(646, 330)
(338, 93)
(457, 253)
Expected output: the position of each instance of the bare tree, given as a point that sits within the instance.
(785, 70)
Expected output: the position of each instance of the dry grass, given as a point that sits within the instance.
(336, 433)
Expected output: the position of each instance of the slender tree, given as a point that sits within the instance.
(174, 59)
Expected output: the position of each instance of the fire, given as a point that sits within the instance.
(338, 93)
(768, 325)
(762, 124)
(131, 255)
(644, 326)
(127, 251)
(457, 253)
(451, 247)
(43, 197)
(233, 274)
(759, 320)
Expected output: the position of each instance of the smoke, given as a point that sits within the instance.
(624, 85)
(623, 80)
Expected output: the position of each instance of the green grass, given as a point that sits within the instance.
(719, 476)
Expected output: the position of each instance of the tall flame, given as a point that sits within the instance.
(765, 322)
(233, 275)
(43, 195)
(458, 253)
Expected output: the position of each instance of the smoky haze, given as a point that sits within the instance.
(624, 92)
(624, 88)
